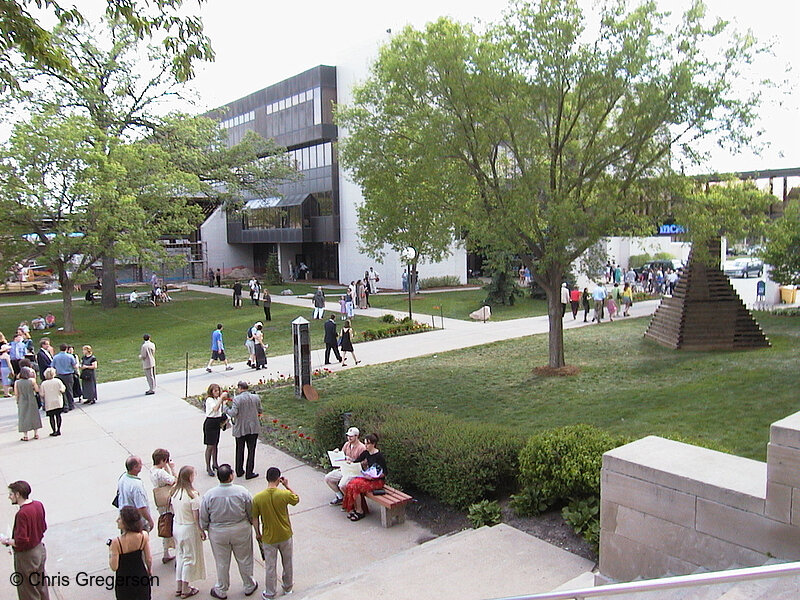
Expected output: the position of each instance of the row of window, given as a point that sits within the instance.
(312, 157)
(285, 103)
(239, 120)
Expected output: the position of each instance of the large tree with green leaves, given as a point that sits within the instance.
(121, 94)
(562, 132)
(23, 37)
(69, 198)
(783, 246)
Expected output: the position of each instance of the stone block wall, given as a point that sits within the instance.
(669, 508)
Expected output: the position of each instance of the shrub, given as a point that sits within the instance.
(388, 318)
(443, 281)
(458, 463)
(583, 515)
(404, 327)
(636, 261)
(485, 512)
(564, 463)
(663, 256)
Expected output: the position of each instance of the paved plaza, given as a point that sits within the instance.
(75, 475)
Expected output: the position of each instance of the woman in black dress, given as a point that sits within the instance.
(89, 376)
(347, 343)
(260, 348)
(130, 558)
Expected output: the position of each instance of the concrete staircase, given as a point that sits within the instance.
(489, 562)
(786, 588)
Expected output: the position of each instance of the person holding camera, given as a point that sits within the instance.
(274, 530)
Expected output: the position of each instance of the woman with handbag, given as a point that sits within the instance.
(189, 564)
(163, 477)
(89, 376)
(214, 423)
(130, 558)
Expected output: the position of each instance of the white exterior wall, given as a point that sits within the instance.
(350, 70)
(219, 253)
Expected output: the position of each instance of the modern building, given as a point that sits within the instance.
(313, 220)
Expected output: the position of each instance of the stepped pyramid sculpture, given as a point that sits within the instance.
(705, 313)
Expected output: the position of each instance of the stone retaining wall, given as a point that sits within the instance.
(669, 508)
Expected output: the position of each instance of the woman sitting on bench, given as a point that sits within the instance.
(373, 477)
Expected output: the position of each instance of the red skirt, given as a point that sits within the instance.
(358, 487)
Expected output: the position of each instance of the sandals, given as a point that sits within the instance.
(355, 516)
(192, 591)
(24, 439)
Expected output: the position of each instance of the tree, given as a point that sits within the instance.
(22, 36)
(70, 198)
(783, 246)
(564, 134)
(120, 95)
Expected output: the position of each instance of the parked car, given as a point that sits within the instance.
(744, 267)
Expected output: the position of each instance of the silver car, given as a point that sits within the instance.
(744, 267)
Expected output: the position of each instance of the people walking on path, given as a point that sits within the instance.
(319, 303)
(586, 301)
(65, 365)
(237, 294)
(25, 390)
(336, 479)
(226, 514)
(218, 276)
(343, 307)
(218, 349)
(564, 299)
(163, 476)
(148, 356)
(89, 375)
(26, 543)
(190, 563)
(331, 340)
(273, 529)
(627, 299)
(599, 297)
(130, 491)
(52, 394)
(212, 426)
(259, 348)
(347, 343)
(246, 411)
(575, 301)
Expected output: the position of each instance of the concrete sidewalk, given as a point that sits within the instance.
(75, 475)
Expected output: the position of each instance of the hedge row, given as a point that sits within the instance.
(456, 462)
(403, 328)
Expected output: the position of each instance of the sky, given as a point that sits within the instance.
(260, 42)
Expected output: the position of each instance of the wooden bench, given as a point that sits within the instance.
(392, 505)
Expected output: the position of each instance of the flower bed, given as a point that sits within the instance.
(404, 327)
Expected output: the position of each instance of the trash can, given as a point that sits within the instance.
(788, 294)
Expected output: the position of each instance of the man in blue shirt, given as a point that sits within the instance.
(599, 297)
(65, 365)
(218, 349)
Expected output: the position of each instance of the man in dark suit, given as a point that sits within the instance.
(331, 342)
(44, 358)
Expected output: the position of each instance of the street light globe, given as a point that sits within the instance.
(409, 254)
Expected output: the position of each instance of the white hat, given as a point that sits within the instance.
(258, 323)
(353, 431)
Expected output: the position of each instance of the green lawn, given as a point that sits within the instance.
(181, 326)
(458, 305)
(626, 385)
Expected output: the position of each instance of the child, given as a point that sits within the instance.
(343, 307)
(612, 308)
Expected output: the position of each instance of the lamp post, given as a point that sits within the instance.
(409, 254)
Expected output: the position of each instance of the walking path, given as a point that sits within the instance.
(74, 475)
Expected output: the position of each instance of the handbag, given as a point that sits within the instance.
(165, 525)
(223, 424)
(115, 501)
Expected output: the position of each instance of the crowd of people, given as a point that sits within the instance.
(45, 380)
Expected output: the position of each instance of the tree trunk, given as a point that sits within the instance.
(109, 292)
(556, 320)
(66, 297)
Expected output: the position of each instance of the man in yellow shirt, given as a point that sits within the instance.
(274, 530)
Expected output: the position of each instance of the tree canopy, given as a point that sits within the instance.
(783, 246)
(553, 131)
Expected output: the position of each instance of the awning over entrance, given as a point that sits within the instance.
(277, 201)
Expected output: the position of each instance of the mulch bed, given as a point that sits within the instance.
(565, 371)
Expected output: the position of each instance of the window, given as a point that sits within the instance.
(317, 106)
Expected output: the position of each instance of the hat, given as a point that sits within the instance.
(353, 431)
(258, 323)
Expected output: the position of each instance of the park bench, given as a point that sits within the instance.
(392, 504)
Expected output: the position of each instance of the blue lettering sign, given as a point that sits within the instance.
(671, 229)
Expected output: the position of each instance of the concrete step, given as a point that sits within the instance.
(489, 562)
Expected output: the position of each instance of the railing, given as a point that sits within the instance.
(669, 583)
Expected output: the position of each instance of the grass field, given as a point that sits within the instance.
(626, 385)
(181, 326)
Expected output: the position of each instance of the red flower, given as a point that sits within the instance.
(274, 420)
(300, 435)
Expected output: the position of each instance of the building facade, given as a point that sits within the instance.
(313, 220)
